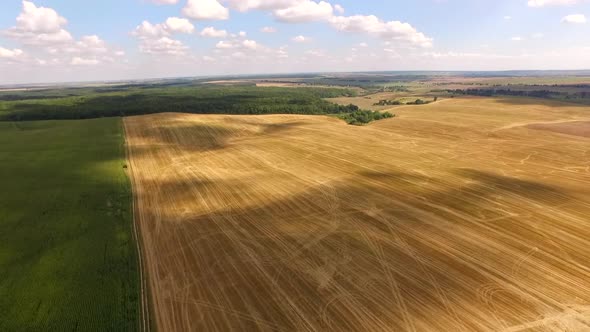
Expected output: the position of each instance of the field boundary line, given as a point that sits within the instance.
(144, 298)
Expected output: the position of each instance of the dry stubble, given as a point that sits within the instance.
(454, 216)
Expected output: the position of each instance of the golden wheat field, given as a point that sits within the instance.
(468, 214)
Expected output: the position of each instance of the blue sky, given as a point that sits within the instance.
(69, 40)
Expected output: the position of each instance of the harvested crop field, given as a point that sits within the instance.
(577, 128)
(450, 217)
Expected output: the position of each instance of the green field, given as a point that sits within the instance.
(67, 255)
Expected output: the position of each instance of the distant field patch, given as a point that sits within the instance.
(372, 101)
(67, 257)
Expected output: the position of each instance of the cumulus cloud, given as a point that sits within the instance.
(39, 19)
(544, 3)
(300, 11)
(305, 11)
(164, 2)
(574, 19)
(211, 32)
(238, 44)
(290, 11)
(155, 39)
(300, 39)
(250, 44)
(92, 43)
(225, 45)
(268, 30)
(179, 25)
(170, 26)
(205, 10)
(246, 5)
(38, 26)
(10, 54)
(147, 29)
(240, 48)
(163, 46)
(42, 32)
(393, 30)
(78, 61)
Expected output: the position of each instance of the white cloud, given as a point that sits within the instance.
(516, 39)
(164, 2)
(236, 44)
(299, 11)
(305, 11)
(78, 61)
(268, 30)
(179, 25)
(282, 53)
(163, 46)
(209, 58)
(574, 19)
(205, 10)
(39, 19)
(452, 55)
(300, 39)
(41, 39)
(172, 25)
(146, 30)
(246, 5)
(91, 44)
(39, 26)
(211, 32)
(250, 44)
(544, 3)
(393, 30)
(225, 45)
(538, 35)
(507, 17)
(10, 54)
(239, 55)
(316, 53)
(42, 31)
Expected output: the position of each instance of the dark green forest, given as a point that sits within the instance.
(204, 99)
(362, 117)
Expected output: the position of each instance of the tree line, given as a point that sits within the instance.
(362, 117)
(196, 100)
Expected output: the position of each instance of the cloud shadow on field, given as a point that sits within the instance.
(201, 137)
